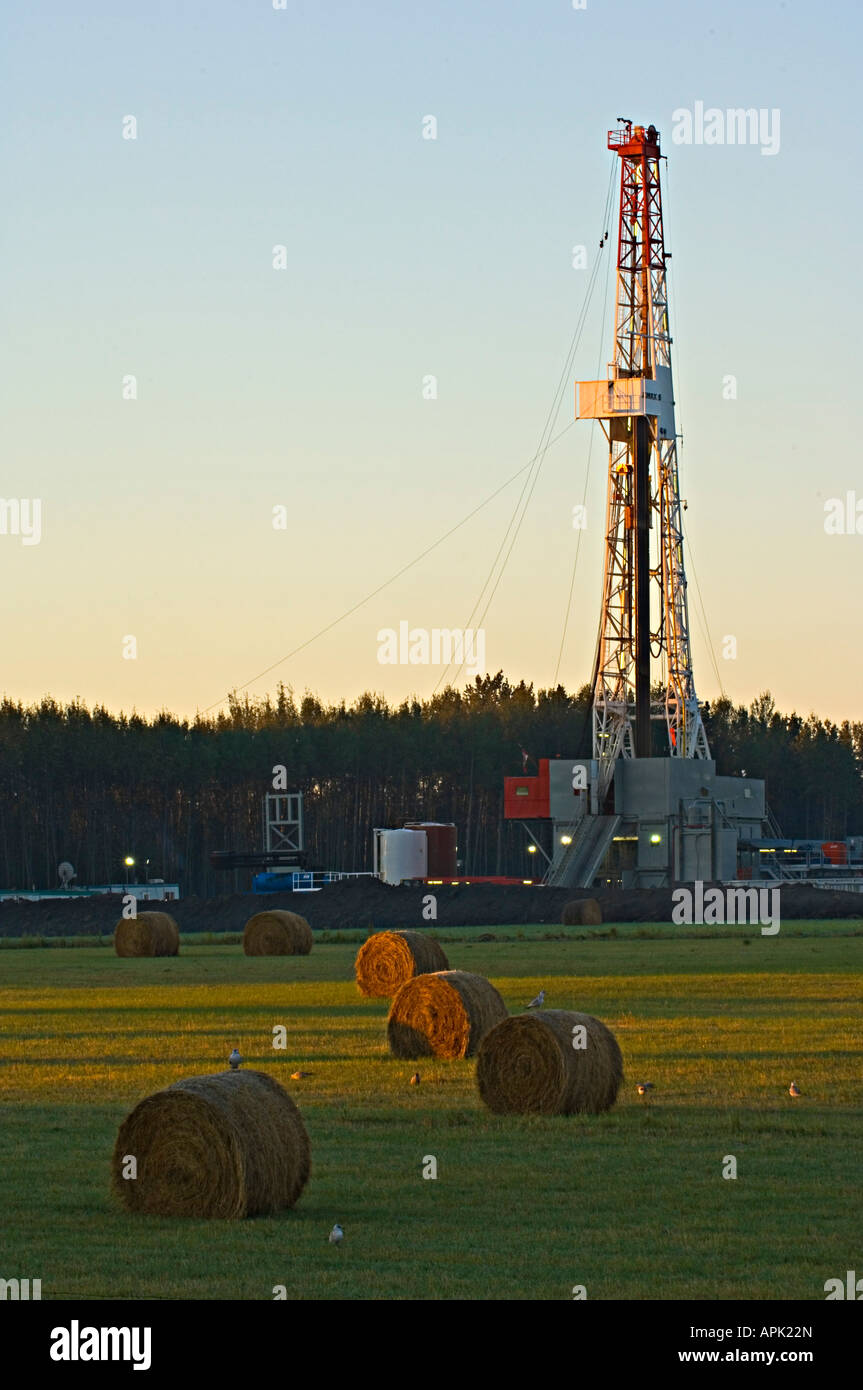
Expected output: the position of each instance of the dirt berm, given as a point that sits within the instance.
(363, 903)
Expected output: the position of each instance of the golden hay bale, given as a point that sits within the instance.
(148, 934)
(535, 1063)
(443, 1015)
(389, 958)
(229, 1145)
(277, 933)
(581, 912)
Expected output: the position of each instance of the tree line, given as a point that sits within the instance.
(92, 787)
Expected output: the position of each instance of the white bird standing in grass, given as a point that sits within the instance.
(235, 1059)
(538, 1002)
(337, 1235)
(793, 1089)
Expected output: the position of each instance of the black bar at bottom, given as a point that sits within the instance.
(225, 1341)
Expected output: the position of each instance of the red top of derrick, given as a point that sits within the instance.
(632, 139)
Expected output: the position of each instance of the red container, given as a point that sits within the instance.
(442, 843)
(527, 798)
(836, 851)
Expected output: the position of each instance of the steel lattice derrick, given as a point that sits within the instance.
(644, 535)
(641, 334)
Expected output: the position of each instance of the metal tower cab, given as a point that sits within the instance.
(654, 793)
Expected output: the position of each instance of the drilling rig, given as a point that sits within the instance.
(650, 783)
(644, 608)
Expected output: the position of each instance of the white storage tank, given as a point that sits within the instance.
(400, 855)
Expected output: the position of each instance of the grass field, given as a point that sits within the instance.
(632, 1204)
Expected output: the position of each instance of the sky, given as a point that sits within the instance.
(169, 381)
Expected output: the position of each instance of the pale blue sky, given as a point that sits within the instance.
(407, 257)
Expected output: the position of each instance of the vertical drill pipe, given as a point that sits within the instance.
(641, 473)
(642, 493)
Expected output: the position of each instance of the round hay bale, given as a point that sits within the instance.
(528, 1064)
(229, 1145)
(277, 933)
(389, 958)
(148, 934)
(444, 1014)
(581, 912)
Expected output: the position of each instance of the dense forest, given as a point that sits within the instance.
(92, 787)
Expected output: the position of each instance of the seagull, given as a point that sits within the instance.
(644, 1087)
(793, 1089)
(235, 1059)
(298, 1075)
(538, 1002)
(336, 1235)
(415, 1079)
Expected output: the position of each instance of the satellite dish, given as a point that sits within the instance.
(66, 872)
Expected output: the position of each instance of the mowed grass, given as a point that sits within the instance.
(631, 1204)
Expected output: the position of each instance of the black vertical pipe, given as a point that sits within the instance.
(642, 587)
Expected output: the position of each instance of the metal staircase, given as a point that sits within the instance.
(772, 825)
(580, 861)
